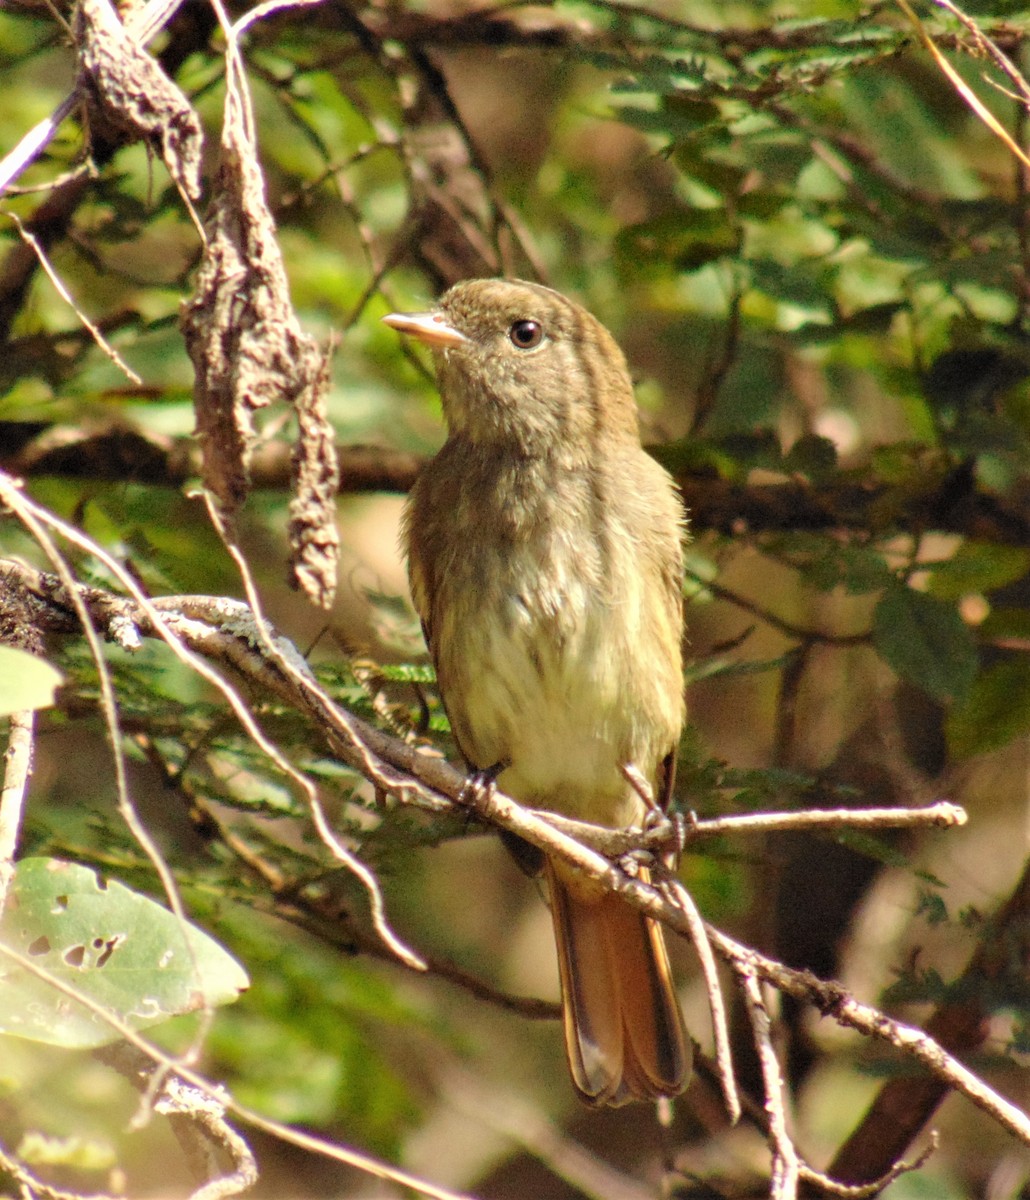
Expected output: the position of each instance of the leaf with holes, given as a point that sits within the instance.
(125, 953)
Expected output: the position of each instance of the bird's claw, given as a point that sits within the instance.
(633, 862)
(478, 789)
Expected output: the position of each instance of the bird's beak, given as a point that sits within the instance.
(431, 328)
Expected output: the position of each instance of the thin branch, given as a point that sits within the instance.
(17, 771)
(294, 666)
(33, 1187)
(417, 777)
(863, 1191)
(716, 1006)
(836, 1002)
(988, 47)
(847, 506)
(960, 1024)
(785, 1165)
(60, 287)
(942, 815)
(961, 87)
(787, 628)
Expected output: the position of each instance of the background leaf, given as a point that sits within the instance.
(26, 681)
(925, 641)
(121, 950)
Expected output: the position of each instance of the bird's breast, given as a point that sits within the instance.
(539, 644)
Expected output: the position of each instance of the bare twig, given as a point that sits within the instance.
(17, 770)
(141, 26)
(785, 1165)
(988, 47)
(682, 899)
(410, 775)
(861, 1191)
(959, 84)
(788, 628)
(206, 1108)
(33, 1187)
(943, 814)
(657, 836)
(836, 1002)
(59, 285)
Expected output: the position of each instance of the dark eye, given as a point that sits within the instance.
(526, 334)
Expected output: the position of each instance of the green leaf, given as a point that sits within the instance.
(925, 641)
(811, 455)
(978, 567)
(26, 681)
(1011, 623)
(827, 564)
(79, 1153)
(996, 710)
(685, 239)
(123, 951)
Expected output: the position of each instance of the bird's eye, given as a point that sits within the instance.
(526, 334)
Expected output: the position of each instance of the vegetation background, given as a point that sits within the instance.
(816, 255)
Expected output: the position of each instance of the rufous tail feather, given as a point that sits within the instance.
(624, 1033)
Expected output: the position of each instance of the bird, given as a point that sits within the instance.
(544, 550)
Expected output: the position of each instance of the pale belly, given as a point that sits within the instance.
(557, 696)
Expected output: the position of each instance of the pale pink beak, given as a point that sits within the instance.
(428, 327)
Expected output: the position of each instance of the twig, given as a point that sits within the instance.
(405, 772)
(991, 49)
(785, 1165)
(836, 1002)
(942, 814)
(862, 1191)
(17, 771)
(961, 87)
(294, 667)
(141, 27)
(788, 628)
(614, 842)
(268, 9)
(33, 1187)
(33, 243)
(679, 896)
(202, 1108)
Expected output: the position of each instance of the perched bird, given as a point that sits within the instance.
(545, 554)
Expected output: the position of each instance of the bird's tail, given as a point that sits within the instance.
(624, 1033)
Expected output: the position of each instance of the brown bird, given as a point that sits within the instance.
(545, 554)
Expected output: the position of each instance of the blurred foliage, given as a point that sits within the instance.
(818, 262)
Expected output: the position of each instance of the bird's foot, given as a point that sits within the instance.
(636, 863)
(478, 789)
(666, 834)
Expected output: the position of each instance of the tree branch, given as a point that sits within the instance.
(854, 504)
(412, 776)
